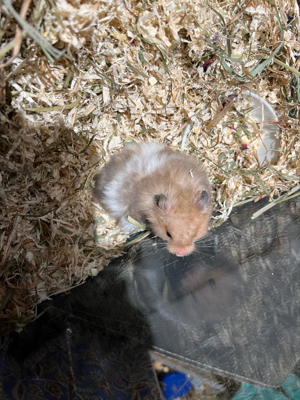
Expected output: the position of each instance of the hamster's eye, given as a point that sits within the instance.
(168, 234)
(212, 282)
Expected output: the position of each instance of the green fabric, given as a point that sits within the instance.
(291, 387)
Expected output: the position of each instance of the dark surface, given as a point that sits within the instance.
(232, 307)
(90, 344)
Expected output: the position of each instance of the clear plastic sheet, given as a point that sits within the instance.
(232, 307)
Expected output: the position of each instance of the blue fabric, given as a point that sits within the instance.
(175, 384)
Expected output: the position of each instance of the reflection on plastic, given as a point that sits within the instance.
(270, 140)
(233, 306)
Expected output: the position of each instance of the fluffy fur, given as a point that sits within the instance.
(165, 189)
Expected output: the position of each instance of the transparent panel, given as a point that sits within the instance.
(232, 307)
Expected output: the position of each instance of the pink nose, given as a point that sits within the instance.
(182, 252)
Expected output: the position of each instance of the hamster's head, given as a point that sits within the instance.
(181, 219)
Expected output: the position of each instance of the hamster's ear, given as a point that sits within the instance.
(162, 202)
(201, 199)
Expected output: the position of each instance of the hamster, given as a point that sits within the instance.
(164, 189)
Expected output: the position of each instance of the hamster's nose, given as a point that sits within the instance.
(181, 252)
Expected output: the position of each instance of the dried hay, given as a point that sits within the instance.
(84, 78)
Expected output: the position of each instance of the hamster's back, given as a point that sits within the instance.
(138, 172)
(115, 183)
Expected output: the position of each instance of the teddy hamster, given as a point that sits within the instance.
(164, 189)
